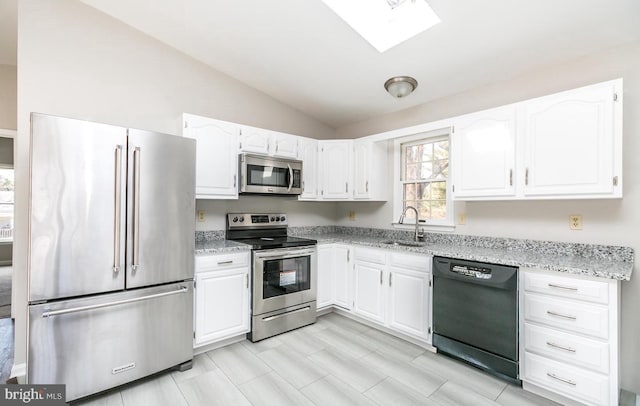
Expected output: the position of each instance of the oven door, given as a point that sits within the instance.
(283, 277)
(267, 175)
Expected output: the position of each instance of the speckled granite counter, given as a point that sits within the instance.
(217, 246)
(602, 261)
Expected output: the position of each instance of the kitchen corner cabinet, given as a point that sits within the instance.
(569, 337)
(221, 297)
(562, 146)
(308, 154)
(484, 152)
(336, 169)
(334, 276)
(266, 142)
(370, 170)
(216, 156)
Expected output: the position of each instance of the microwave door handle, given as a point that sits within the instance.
(290, 178)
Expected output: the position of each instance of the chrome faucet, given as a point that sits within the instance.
(419, 233)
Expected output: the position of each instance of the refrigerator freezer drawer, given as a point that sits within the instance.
(93, 344)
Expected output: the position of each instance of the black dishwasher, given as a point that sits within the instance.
(475, 314)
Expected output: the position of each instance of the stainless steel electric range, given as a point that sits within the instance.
(284, 273)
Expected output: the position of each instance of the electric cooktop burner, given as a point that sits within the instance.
(263, 231)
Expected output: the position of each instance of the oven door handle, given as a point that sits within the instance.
(286, 253)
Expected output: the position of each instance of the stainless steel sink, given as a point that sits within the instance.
(403, 243)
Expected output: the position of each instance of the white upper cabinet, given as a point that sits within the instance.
(255, 140)
(336, 168)
(285, 145)
(308, 154)
(484, 153)
(563, 146)
(266, 142)
(370, 170)
(570, 140)
(216, 156)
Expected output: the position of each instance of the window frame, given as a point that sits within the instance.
(446, 224)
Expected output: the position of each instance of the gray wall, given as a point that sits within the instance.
(8, 96)
(611, 222)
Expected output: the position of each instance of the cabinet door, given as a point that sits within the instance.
(369, 291)
(308, 154)
(484, 151)
(336, 168)
(342, 283)
(362, 160)
(569, 142)
(285, 145)
(216, 156)
(325, 276)
(255, 140)
(409, 302)
(221, 305)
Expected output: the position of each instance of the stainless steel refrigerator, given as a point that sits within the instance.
(111, 254)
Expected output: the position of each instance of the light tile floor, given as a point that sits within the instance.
(334, 362)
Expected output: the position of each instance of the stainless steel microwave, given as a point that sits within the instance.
(261, 174)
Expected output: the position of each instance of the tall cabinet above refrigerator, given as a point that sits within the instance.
(111, 244)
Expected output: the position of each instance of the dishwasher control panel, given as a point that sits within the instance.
(471, 271)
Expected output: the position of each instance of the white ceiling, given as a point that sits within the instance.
(8, 32)
(301, 53)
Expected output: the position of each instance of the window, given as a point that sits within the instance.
(6, 204)
(424, 179)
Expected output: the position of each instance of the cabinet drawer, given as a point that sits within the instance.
(581, 289)
(565, 347)
(376, 256)
(582, 318)
(573, 382)
(221, 261)
(411, 261)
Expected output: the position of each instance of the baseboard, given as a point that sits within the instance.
(19, 372)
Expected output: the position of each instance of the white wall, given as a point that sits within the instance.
(77, 62)
(611, 222)
(8, 97)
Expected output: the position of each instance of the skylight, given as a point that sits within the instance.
(385, 23)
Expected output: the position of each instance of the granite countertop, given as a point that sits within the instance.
(603, 261)
(554, 261)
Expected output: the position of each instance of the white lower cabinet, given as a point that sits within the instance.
(221, 297)
(569, 337)
(334, 276)
(393, 289)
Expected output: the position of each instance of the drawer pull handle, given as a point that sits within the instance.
(225, 262)
(552, 285)
(550, 344)
(570, 382)
(564, 316)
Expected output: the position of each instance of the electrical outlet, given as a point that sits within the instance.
(201, 216)
(462, 218)
(352, 215)
(575, 222)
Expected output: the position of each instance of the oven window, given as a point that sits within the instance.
(284, 276)
(258, 175)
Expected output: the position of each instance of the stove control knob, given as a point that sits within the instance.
(282, 218)
(241, 219)
(235, 219)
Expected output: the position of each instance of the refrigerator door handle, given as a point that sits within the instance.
(46, 313)
(117, 216)
(136, 209)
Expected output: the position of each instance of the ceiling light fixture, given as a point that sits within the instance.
(400, 86)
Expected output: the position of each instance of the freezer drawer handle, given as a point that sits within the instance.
(183, 289)
(136, 209)
(117, 219)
